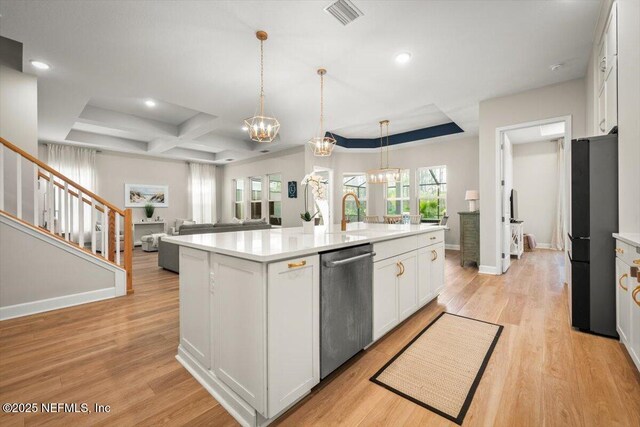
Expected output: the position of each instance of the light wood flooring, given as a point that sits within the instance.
(121, 353)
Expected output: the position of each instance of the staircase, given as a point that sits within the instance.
(57, 208)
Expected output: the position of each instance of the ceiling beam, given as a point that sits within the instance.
(127, 122)
(106, 142)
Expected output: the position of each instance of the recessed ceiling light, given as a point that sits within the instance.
(150, 103)
(403, 58)
(556, 67)
(40, 65)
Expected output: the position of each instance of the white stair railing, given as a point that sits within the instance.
(60, 203)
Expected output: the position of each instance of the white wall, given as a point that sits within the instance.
(18, 125)
(535, 178)
(114, 170)
(459, 154)
(563, 99)
(291, 165)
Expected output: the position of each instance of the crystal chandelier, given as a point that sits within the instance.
(322, 145)
(260, 127)
(385, 173)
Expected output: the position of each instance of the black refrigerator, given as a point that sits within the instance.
(594, 217)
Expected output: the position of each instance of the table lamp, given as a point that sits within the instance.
(471, 196)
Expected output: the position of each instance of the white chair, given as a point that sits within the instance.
(393, 219)
(372, 219)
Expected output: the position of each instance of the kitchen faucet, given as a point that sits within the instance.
(343, 223)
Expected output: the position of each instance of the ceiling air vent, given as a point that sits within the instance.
(344, 11)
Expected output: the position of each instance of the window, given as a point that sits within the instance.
(432, 193)
(202, 192)
(275, 199)
(355, 183)
(397, 195)
(256, 197)
(238, 201)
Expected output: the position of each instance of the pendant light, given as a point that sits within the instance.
(260, 127)
(385, 173)
(322, 145)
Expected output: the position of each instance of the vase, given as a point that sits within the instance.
(308, 227)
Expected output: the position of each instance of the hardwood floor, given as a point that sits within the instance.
(121, 353)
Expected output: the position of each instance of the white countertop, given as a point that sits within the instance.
(282, 243)
(630, 238)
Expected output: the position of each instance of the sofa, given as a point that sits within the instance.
(168, 254)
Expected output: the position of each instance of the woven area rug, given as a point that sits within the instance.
(441, 367)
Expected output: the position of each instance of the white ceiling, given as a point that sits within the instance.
(199, 61)
(537, 133)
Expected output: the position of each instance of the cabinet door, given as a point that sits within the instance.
(293, 306)
(385, 297)
(239, 323)
(194, 304)
(407, 285)
(623, 312)
(425, 292)
(437, 268)
(611, 96)
(634, 289)
(602, 111)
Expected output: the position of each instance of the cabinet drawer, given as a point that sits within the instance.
(432, 238)
(627, 253)
(394, 247)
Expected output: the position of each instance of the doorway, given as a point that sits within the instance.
(325, 206)
(554, 180)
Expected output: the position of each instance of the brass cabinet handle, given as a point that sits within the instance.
(434, 255)
(620, 281)
(634, 295)
(619, 250)
(401, 267)
(603, 64)
(297, 264)
(636, 261)
(433, 238)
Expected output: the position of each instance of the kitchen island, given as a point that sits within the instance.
(250, 305)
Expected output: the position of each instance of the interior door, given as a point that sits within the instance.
(507, 186)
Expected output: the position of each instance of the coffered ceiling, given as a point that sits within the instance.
(198, 60)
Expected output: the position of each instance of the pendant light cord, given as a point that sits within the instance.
(262, 77)
(321, 104)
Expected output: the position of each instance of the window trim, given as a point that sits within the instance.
(235, 194)
(417, 192)
(366, 186)
(269, 197)
(401, 199)
(250, 200)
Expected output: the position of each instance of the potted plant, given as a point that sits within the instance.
(148, 210)
(318, 190)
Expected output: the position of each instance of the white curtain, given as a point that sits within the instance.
(79, 165)
(557, 238)
(202, 193)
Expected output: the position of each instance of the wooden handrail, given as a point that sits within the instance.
(49, 169)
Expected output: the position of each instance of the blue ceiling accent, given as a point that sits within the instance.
(399, 138)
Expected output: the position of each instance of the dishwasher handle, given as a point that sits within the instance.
(332, 264)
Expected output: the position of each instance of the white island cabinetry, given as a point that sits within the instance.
(250, 307)
(407, 274)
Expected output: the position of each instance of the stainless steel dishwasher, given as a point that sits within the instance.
(346, 303)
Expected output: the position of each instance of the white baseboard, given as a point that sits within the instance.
(28, 308)
(452, 247)
(489, 269)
